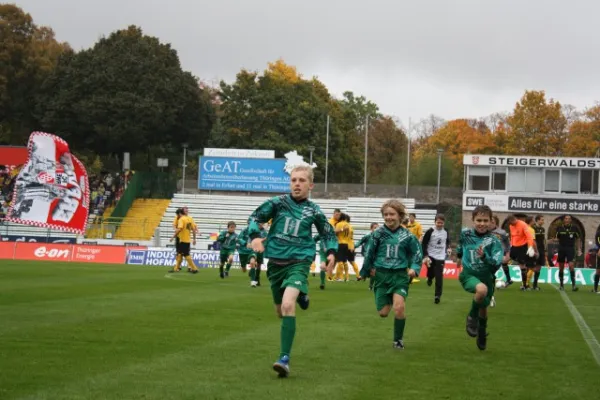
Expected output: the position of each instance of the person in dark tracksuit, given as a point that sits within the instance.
(597, 274)
(436, 244)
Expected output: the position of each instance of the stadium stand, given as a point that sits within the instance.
(212, 212)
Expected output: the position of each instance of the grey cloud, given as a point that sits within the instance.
(462, 58)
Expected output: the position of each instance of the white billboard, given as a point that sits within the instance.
(239, 153)
(486, 160)
(532, 204)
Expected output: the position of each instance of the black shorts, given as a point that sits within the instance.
(183, 249)
(541, 260)
(351, 255)
(566, 254)
(342, 253)
(531, 262)
(519, 254)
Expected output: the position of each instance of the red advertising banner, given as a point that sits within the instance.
(451, 271)
(13, 156)
(99, 254)
(64, 252)
(7, 250)
(43, 251)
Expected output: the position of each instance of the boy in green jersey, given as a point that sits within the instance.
(243, 250)
(394, 256)
(228, 241)
(248, 257)
(290, 249)
(322, 262)
(479, 255)
(364, 242)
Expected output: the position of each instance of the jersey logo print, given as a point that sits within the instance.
(308, 212)
(391, 251)
(291, 226)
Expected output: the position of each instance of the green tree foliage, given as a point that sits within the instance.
(28, 54)
(280, 110)
(127, 93)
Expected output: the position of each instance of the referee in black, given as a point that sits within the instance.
(569, 238)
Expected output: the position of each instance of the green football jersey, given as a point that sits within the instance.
(264, 233)
(242, 242)
(397, 249)
(228, 241)
(364, 242)
(290, 235)
(468, 244)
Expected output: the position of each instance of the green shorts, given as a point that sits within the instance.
(389, 282)
(322, 257)
(225, 256)
(293, 275)
(260, 258)
(250, 256)
(245, 259)
(470, 281)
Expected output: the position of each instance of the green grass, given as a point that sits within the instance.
(82, 331)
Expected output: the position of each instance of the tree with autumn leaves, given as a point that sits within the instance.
(537, 126)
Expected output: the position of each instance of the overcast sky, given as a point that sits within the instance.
(452, 58)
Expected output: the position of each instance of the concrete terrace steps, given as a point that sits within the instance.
(212, 212)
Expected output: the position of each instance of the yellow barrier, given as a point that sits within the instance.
(110, 228)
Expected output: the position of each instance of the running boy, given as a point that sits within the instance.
(479, 254)
(394, 256)
(228, 240)
(244, 250)
(290, 249)
(436, 245)
(364, 242)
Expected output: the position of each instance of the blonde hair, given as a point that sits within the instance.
(306, 168)
(396, 205)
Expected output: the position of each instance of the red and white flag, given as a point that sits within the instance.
(51, 191)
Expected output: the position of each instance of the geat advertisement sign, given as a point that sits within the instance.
(243, 174)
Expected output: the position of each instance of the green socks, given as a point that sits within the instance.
(399, 325)
(252, 274)
(227, 267)
(322, 276)
(288, 331)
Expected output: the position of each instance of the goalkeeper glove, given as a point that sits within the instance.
(530, 251)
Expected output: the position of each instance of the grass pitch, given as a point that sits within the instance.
(83, 331)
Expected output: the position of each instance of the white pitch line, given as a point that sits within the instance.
(586, 332)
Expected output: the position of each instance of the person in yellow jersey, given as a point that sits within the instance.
(342, 231)
(416, 229)
(185, 229)
(530, 262)
(414, 226)
(332, 221)
(352, 252)
(178, 214)
(335, 217)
